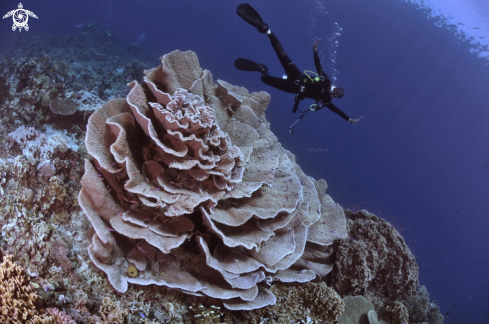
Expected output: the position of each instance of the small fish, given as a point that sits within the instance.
(80, 25)
(141, 249)
(142, 315)
(111, 229)
(128, 78)
(260, 291)
(332, 231)
(154, 189)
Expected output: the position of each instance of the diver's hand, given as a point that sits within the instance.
(315, 47)
(353, 121)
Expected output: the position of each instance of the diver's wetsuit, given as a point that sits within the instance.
(316, 90)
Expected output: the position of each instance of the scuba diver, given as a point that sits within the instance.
(317, 87)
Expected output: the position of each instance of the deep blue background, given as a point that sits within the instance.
(417, 158)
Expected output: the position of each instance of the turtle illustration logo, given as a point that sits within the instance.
(20, 17)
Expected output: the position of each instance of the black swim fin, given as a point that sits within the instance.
(252, 17)
(247, 65)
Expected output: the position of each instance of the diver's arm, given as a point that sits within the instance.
(297, 99)
(337, 110)
(317, 62)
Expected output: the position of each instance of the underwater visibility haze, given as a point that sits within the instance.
(145, 179)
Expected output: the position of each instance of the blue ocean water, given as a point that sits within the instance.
(419, 157)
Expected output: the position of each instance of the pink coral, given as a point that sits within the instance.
(60, 316)
(58, 254)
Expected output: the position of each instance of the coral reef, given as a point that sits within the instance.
(4, 90)
(226, 170)
(18, 300)
(200, 193)
(374, 261)
(87, 68)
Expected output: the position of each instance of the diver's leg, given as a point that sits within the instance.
(290, 68)
(286, 85)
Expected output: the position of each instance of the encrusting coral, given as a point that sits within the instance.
(190, 186)
(421, 310)
(18, 300)
(60, 317)
(374, 262)
(315, 301)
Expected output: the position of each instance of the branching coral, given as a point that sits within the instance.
(18, 300)
(374, 261)
(190, 186)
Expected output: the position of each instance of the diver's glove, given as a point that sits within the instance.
(353, 121)
(315, 47)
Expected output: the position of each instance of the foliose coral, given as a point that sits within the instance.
(189, 184)
(356, 310)
(374, 261)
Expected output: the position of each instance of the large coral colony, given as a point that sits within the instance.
(203, 200)
(194, 213)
